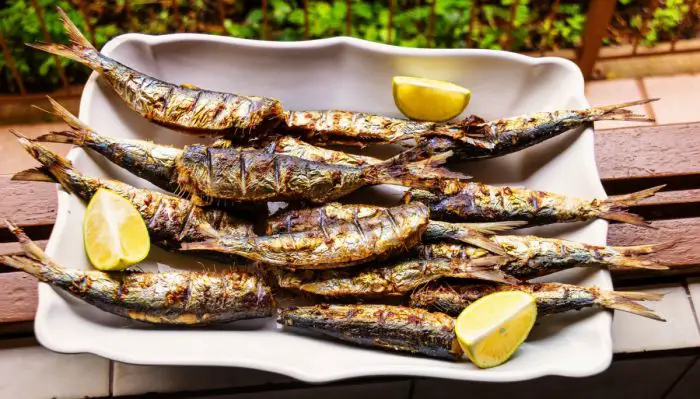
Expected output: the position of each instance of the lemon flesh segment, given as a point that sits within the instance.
(429, 100)
(491, 329)
(114, 232)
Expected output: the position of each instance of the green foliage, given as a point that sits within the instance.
(519, 25)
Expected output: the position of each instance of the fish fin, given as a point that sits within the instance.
(477, 239)
(28, 246)
(639, 296)
(615, 112)
(422, 174)
(494, 275)
(42, 154)
(625, 217)
(613, 300)
(221, 143)
(616, 205)
(493, 227)
(35, 174)
(644, 249)
(189, 86)
(633, 262)
(78, 50)
(71, 120)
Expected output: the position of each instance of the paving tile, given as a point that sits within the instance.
(35, 372)
(689, 386)
(376, 390)
(132, 379)
(652, 377)
(632, 333)
(606, 92)
(680, 96)
(14, 158)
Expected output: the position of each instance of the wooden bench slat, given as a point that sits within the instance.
(18, 297)
(28, 203)
(655, 154)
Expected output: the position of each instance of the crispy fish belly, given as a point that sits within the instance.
(212, 174)
(397, 278)
(475, 138)
(351, 128)
(551, 298)
(394, 328)
(532, 257)
(170, 220)
(184, 298)
(331, 245)
(182, 107)
(298, 220)
(476, 202)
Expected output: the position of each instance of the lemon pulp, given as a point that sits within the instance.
(491, 329)
(429, 100)
(114, 232)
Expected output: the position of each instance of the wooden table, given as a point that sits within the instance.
(629, 159)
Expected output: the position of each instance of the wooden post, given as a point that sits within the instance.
(176, 15)
(646, 17)
(508, 42)
(47, 39)
(469, 39)
(431, 24)
(390, 24)
(348, 18)
(544, 42)
(11, 64)
(600, 13)
(129, 15)
(306, 19)
(221, 10)
(264, 21)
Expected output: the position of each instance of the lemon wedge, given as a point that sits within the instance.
(491, 329)
(115, 234)
(428, 99)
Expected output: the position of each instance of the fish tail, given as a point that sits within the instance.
(33, 260)
(615, 206)
(422, 174)
(54, 167)
(644, 249)
(80, 49)
(616, 112)
(624, 301)
(634, 262)
(80, 135)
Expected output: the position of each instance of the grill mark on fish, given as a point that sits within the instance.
(394, 226)
(276, 172)
(359, 229)
(241, 161)
(186, 223)
(322, 222)
(166, 99)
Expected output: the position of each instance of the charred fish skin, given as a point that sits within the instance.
(351, 128)
(395, 279)
(532, 257)
(181, 107)
(387, 327)
(476, 202)
(170, 220)
(331, 245)
(551, 298)
(177, 298)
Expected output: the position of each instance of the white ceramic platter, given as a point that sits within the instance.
(349, 74)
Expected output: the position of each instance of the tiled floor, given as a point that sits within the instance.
(679, 97)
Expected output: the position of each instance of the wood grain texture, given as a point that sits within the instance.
(649, 155)
(27, 203)
(18, 297)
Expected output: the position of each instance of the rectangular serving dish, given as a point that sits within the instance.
(350, 74)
